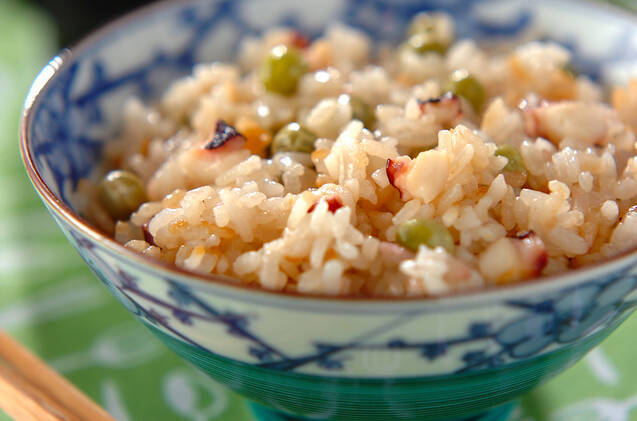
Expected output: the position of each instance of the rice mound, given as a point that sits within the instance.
(326, 222)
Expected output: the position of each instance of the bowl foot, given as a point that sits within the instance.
(500, 413)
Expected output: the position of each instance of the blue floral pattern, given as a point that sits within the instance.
(560, 319)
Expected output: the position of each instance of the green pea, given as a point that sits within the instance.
(422, 22)
(362, 111)
(121, 193)
(515, 162)
(463, 84)
(425, 43)
(282, 70)
(570, 69)
(428, 232)
(293, 138)
(423, 35)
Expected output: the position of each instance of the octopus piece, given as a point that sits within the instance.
(396, 170)
(446, 109)
(148, 237)
(334, 203)
(224, 135)
(512, 259)
(586, 123)
(201, 163)
(424, 177)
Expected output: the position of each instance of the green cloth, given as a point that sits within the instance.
(51, 303)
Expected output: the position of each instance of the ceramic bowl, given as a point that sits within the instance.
(460, 357)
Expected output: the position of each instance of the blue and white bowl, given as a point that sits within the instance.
(459, 357)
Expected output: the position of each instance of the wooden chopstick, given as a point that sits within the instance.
(31, 391)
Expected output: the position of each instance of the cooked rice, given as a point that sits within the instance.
(268, 221)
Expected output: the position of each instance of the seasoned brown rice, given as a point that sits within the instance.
(327, 221)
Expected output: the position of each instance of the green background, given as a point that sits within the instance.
(51, 303)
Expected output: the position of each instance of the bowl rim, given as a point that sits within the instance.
(66, 57)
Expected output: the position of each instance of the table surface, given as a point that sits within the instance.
(51, 303)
